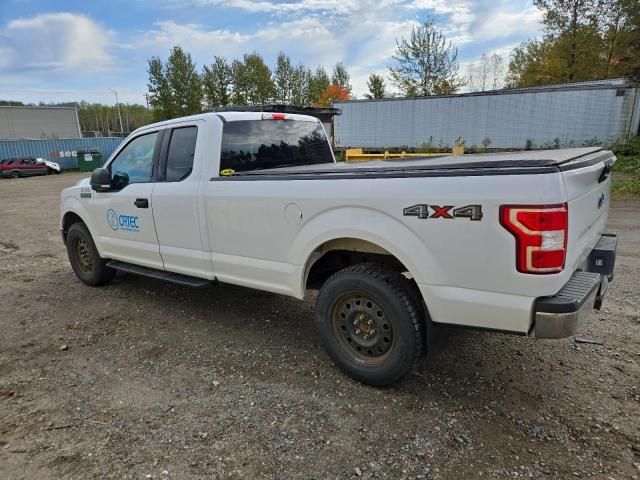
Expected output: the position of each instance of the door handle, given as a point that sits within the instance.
(141, 203)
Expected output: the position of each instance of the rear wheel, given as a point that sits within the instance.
(87, 264)
(15, 175)
(371, 323)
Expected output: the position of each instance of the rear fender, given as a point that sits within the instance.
(371, 226)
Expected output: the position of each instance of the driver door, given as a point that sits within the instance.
(123, 217)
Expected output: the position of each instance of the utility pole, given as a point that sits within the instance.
(118, 104)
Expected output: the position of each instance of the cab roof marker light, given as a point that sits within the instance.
(274, 116)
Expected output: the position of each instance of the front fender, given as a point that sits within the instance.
(372, 226)
(73, 205)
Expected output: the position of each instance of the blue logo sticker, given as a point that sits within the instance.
(112, 219)
(128, 223)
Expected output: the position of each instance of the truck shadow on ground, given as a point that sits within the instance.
(471, 365)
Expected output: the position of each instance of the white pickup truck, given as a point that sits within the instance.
(511, 242)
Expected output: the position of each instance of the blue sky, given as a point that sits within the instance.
(81, 48)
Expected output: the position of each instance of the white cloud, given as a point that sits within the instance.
(364, 39)
(360, 33)
(52, 42)
(305, 39)
(505, 22)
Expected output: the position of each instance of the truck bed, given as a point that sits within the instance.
(502, 163)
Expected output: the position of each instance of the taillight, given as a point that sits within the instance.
(541, 236)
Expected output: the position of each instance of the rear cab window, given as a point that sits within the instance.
(262, 144)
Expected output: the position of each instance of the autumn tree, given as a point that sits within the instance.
(425, 63)
(216, 83)
(376, 86)
(569, 20)
(584, 40)
(332, 93)
(622, 38)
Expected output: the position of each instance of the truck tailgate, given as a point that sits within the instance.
(588, 187)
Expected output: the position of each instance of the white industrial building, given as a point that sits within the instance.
(39, 122)
(567, 115)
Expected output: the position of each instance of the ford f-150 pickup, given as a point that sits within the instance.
(510, 242)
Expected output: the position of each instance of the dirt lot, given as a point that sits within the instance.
(142, 379)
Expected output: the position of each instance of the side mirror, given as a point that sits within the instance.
(101, 180)
(119, 181)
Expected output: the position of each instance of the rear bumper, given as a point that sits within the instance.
(560, 315)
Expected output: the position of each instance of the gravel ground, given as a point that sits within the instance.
(142, 379)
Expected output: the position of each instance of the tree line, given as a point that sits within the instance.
(96, 117)
(583, 40)
(177, 88)
(425, 63)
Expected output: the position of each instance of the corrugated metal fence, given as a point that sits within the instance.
(569, 115)
(61, 150)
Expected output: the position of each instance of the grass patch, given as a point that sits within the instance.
(626, 175)
(628, 164)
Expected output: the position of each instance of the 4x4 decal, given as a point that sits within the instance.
(472, 212)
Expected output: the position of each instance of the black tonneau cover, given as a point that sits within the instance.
(502, 163)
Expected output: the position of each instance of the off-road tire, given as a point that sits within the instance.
(389, 307)
(87, 264)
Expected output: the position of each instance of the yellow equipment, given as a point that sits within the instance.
(357, 155)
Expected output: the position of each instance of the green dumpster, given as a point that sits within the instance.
(89, 160)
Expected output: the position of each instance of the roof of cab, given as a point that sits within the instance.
(228, 116)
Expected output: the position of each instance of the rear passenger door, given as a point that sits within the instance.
(176, 205)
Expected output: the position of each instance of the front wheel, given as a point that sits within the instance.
(371, 323)
(87, 264)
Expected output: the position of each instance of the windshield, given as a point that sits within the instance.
(260, 144)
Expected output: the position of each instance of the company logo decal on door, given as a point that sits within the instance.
(128, 223)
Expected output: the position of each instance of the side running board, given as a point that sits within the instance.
(176, 278)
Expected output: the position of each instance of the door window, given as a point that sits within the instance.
(182, 148)
(134, 164)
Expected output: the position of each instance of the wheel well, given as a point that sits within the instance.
(335, 255)
(69, 219)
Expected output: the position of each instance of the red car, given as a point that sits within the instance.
(22, 167)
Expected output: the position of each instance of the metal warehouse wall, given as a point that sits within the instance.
(574, 114)
(39, 122)
(62, 151)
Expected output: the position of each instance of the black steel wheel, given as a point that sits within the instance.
(362, 328)
(83, 255)
(371, 323)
